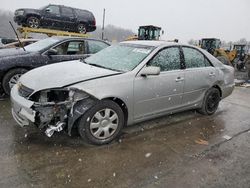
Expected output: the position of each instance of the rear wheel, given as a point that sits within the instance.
(81, 28)
(102, 123)
(210, 102)
(33, 22)
(11, 78)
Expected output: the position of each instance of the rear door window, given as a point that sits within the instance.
(67, 12)
(194, 58)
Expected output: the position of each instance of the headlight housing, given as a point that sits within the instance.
(59, 95)
(19, 12)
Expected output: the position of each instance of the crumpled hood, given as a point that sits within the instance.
(12, 52)
(62, 74)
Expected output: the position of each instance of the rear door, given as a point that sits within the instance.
(157, 94)
(199, 75)
(68, 18)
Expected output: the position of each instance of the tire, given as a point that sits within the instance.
(97, 122)
(11, 78)
(33, 22)
(210, 102)
(224, 60)
(81, 28)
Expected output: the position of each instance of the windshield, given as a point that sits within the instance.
(121, 57)
(40, 45)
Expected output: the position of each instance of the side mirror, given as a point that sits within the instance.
(52, 52)
(47, 10)
(147, 71)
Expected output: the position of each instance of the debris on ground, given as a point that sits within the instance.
(227, 137)
(246, 85)
(147, 155)
(239, 82)
(201, 142)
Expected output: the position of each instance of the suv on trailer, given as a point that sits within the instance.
(57, 17)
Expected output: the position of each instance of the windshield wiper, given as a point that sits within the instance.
(100, 66)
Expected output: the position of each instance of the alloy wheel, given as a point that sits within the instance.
(33, 22)
(14, 79)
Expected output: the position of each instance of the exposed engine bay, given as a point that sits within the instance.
(58, 109)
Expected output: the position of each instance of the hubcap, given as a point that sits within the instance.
(14, 79)
(33, 22)
(104, 123)
(81, 29)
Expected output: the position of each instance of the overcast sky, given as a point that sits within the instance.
(183, 19)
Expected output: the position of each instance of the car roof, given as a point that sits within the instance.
(153, 43)
(61, 38)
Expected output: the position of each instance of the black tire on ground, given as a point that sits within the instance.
(224, 60)
(81, 28)
(247, 65)
(210, 102)
(33, 22)
(11, 78)
(96, 125)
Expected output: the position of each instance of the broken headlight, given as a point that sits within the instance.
(19, 12)
(77, 95)
(58, 95)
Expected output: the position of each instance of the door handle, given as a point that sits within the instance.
(179, 79)
(211, 74)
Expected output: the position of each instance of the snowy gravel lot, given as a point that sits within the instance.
(182, 150)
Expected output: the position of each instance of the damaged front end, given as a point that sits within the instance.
(57, 109)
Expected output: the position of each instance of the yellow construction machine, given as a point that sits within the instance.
(147, 32)
(242, 60)
(213, 46)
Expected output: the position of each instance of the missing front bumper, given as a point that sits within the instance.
(52, 117)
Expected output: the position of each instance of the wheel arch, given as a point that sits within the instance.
(121, 104)
(12, 68)
(32, 15)
(218, 87)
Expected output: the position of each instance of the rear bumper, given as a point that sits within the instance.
(91, 28)
(21, 108)
(227, 90)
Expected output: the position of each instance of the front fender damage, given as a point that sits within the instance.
(63, 115)
(77, 110)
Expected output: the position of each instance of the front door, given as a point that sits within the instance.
(67, 51)
(51, 16)
(158, 94)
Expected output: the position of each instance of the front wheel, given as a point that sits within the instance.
(33, 22)
(102, 123)
(210, 102)
(11, 78)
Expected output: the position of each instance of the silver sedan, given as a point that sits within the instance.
(124, 84)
